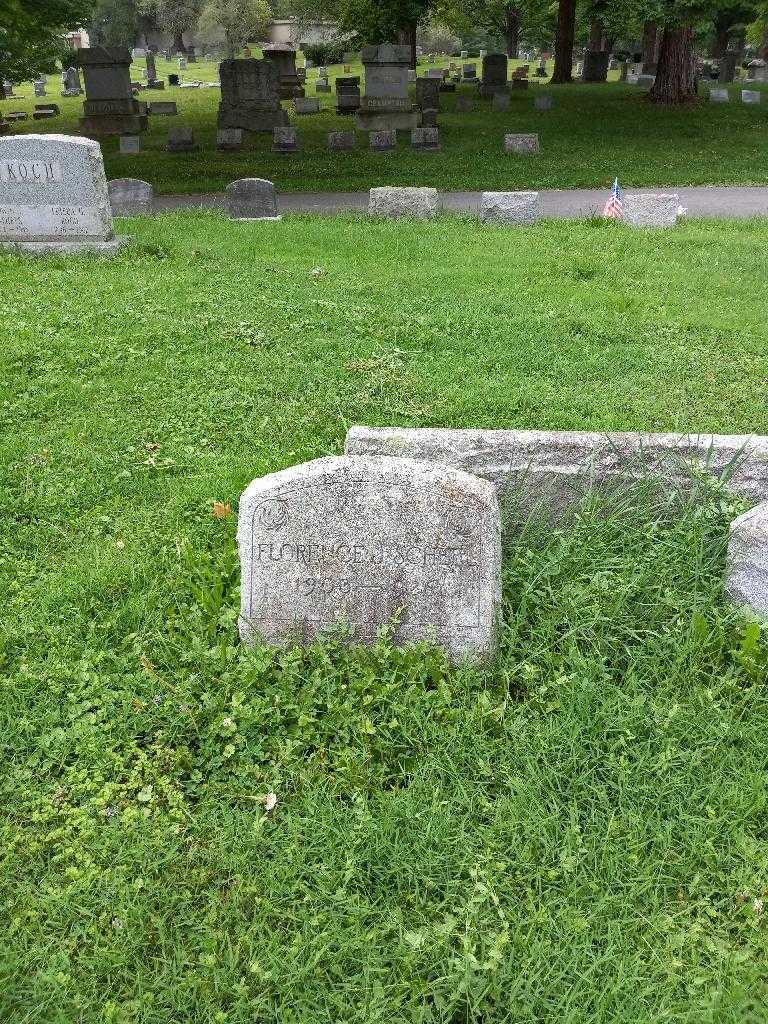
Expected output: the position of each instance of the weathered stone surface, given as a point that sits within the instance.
(347, 94)
(750, 96)
(53, 195)
(250, 95)
(382, 141)
(469, 72)
(386, 105)
(521, 143)
(719, 96)
(429, 118)
(542, 102)
(181, 140)
(283, 56)
(163, 108)
(306, 106)
(428, 93)
(130, 196)
(746, 579)
(130, 143)
(109, 107)
(495, 73)
(511, 207)
(252, 199)
(371, 543)
(343, 141)
(595, 65)
(500, 101)
(549, 461)
(402, 201)
(425, 138)
(651, 210)
(285, 140)
(229, 138)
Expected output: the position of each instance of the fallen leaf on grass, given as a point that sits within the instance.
(221, 509)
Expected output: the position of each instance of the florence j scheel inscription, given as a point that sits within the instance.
(371, 542)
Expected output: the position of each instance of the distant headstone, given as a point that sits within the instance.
(521, 143)
(370, 543)
(130, 196)
(163, 108)
(425, 138)
(46, 110)
(728, 63)
(500, 101)
(173, 79)
(306, 106)
(382, 141)
(284, 57)
(542, 102)
(595, 66)
(719, 96)
(750, 96)
(322, 85)
(138, 52)
(495, 72)
(747, 564)
(401, 201)
(428, 93)
(645, 81)
(411, 76)
(130, 143)
(285, 140)
(386, 104)
(39, 88)
(347, 95)
(229, 138)
(70, 80)
(53, 196)
(181, 140)
(182, 62)
(464, 54)
(510, 207)
(109, 107)
(250, 95)
(17, 115)
(469, 72)
(341, 140)
(651, 210)
(252, 199)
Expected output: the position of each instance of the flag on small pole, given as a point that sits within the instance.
(614, 208)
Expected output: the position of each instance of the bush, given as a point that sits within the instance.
(324, 53)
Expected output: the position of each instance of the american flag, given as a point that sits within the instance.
(614, 208)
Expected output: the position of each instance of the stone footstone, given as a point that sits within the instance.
(367, 544)
(427, 139)
(402, 201)
(750, 96)
(382, 141)
(306, 106)
(252, 199)
(17, 115)
(53, 196)
(651, 210)
(542, 103)
(181, 140)
(229, 139)
(719, 96)
(129, 196)
(163, 108)
(746, 578)
(341, 141)
(500, 101)
(285, 140)
(130, 143)
(510, 207)
(521, 143)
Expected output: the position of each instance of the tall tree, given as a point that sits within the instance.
(32, 34)
(174, 16)
(566, 29)
(237, 21)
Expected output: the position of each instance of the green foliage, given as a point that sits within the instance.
(237, 21)
(576, 833)
(323, 54)
(114, 23)
(31, 34)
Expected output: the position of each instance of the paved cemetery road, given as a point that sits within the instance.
(701, 201)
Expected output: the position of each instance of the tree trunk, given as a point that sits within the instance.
(595, 35)
(676, 74)
(178, 43)
(720, 44)
(512, 31)
(764, 43)
(566, 25)
(650, 45)
(407, 37)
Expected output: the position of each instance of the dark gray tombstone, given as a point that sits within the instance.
(109, 107)
(495, 70)
(252, 199)
(250, 95)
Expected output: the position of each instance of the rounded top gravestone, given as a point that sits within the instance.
(53, 195)
(370, 543)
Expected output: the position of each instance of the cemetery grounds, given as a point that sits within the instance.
(575, 833)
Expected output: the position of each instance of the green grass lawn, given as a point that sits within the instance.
(592, 134)
(575, 834)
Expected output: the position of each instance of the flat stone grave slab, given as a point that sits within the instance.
(403, 201)
(53, 196)
(521, 143)
(370, 543)
(510, 207)
(651, 209)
